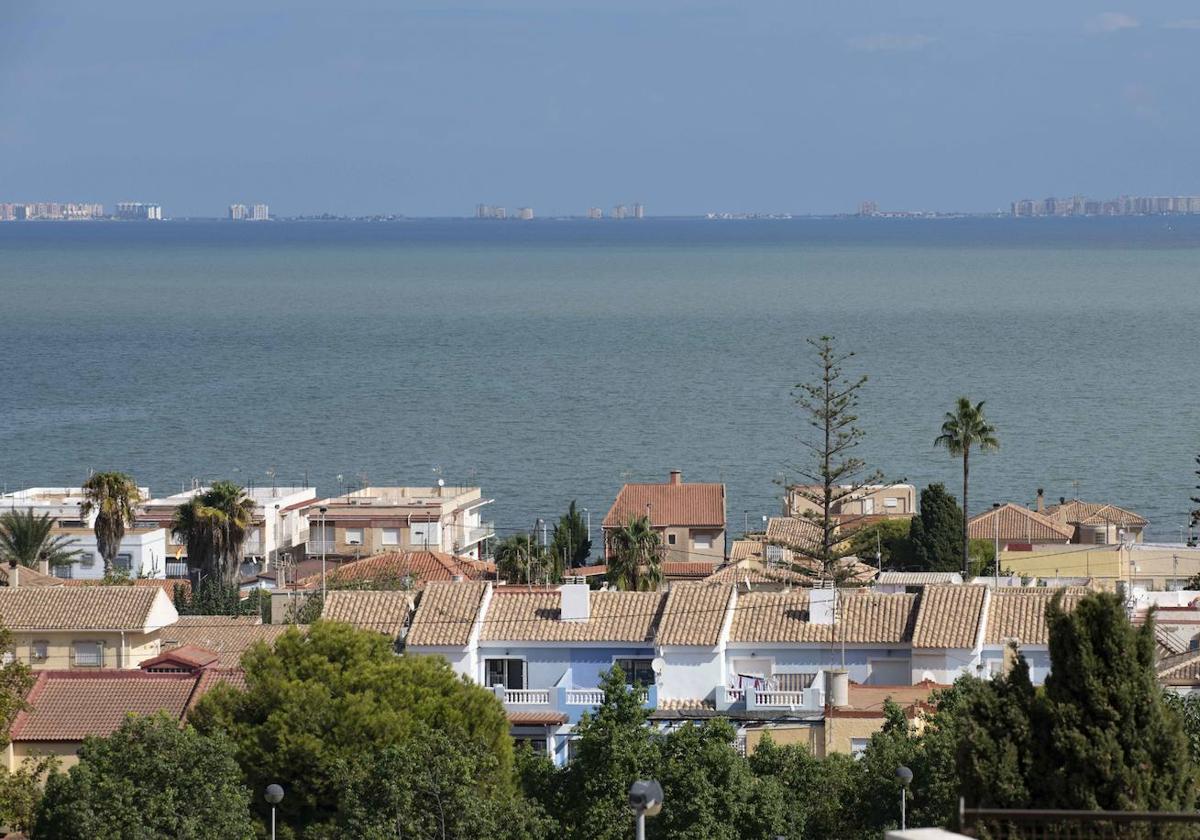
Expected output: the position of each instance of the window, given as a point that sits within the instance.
(891, 502)
(426, 533)
(858, 747)
(702, 542)
(63, 571)
(39, 651)
(509, 673)
(354, 536)
(389, 536)
(124, 563)
(670, 539)
(1100, 537)
(538, 745)
(88, 654)
(87, 559)
(868, 506)
(636, 670)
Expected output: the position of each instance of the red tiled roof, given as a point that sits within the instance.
(1013, 523)
(671, 505)
(587, 571)
(1094, 513)
(690, 570)
(536, 718)
(70, 705)
(396, 566)
(189, 657)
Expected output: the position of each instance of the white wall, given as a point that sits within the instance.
(690, 673)
(147, 550)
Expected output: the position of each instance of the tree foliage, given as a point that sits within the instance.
(215, 597)
(890, 537)
(521, 559)
(831, 471)
(149, 779)
(319, 700)
(114, 498)
(571, 544)
(635, 556)
(27, 538)
(965, 428)
(936, 531)
(213, 525)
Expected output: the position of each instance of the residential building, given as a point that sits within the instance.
(138, 211)
(260, 213)
(1137, 566)
(892, 501)
(1093, 523)
(238, 212)
(913, 581)
(1011, 524)
(385, 612)
(689, 517)
(377, 520)
(66, 707)
(229, 637)
(142, 553)
(63, 504)
(525, 213)
(595, 213)
(62, 627)
(760, 658)
(278, 525)
(639, 211)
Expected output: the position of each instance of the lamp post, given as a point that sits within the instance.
(904, 777)
(645, 798)
(273, 795)
(324, 542)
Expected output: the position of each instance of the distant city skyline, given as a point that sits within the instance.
(382, 108)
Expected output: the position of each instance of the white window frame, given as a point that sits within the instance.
(35, 655)
(858, 747)
(389, 536)
(524, 671)
(354, 536)
(702, 542)
(75, 659)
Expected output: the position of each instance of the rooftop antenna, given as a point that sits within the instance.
(274, 490)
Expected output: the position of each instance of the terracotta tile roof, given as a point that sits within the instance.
(167, 585)
(1180, 670)
(520, 616)
(745, 549)
(394, 568)
(682, 505)
(755, 572)
(70, 705)
(917, 578)
(690, 570)
(536, 718)
(867, 617)
(1076, 512)
(948, 616)
(685, 704)
(210, 677)
(795, 532)
(446, 613)
(1017, 524)
(694, 613)
(78, 608)
(183, 657)
(29, 577)
(1020, 613)
(228, 636)
(384, 612)
(587, 571)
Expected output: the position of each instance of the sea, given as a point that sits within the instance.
(549, 361)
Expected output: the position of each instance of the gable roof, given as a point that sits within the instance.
(1076, 512)
(681, 505)
(130, 608)
(746, 549)
(167, 585)
(694, 614)
(1014, 523)
(798, 533)
(71, 705)
(1180, 670)
(382, 611)
(917, 578)
(181, 658)
(446, 613)
(29, 577)
(396, 567)
(517, 615)
(865, 617)
(948, 616)
(689, 569)
(1020, 613)
(226, 635)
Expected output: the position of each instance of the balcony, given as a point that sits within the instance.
(572, 702)
(467, 537)
(761, 699)
(252, 546)
(316, 547)
(177, 570)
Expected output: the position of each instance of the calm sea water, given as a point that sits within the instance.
(551, 361)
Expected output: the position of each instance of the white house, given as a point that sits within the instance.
(143, 553)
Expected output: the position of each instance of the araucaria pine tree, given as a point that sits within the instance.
(832, 472)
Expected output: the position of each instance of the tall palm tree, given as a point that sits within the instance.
(26, 538)
(114, 497)
(213, 525)
(962, 429)
(636, 561)
(519, 559)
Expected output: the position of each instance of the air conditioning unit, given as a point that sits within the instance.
(353, 542)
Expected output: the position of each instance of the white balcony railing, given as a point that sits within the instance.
(735, 695)
(527, 696)
(466, 537)
(585, 696)
(780, 698)
(317, 546)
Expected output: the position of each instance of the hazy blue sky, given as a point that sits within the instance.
(350, 105)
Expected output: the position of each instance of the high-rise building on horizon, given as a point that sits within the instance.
(868, 208)
(639, 211)
(237, 212)
(525, 214)
(1125, 205)
(619, 211)
(139, 211)
(260, 213)
(595, 213)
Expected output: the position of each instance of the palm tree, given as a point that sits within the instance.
(963, 428)
(213, 525)
(114, 497)
(25, 539)
(636, 561)
(519, 559)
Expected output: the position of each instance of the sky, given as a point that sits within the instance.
(427, 109)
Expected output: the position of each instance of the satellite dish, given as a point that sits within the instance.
(441, 482)
(657, 664)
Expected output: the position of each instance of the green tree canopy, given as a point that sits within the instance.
(150, 779)
(27, 538)
(571, 543)
(936, 530)
(635, 559)
(890, 537)
(113, 497)
(317, 701)
(213, 525)
(520, 559)
(963, 429)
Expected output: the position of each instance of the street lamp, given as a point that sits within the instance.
(904, 777)
(324, 542)
(645, 798)
(273, 795)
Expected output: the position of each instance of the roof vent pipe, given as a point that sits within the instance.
(676, 476)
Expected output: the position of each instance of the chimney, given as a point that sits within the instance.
(822, 604)
(1041, 500)
(837, 688)
(576, 604)
(1062, 500)
(676, 477)
(43, 563)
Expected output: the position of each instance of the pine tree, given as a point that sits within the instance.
(935, 533)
